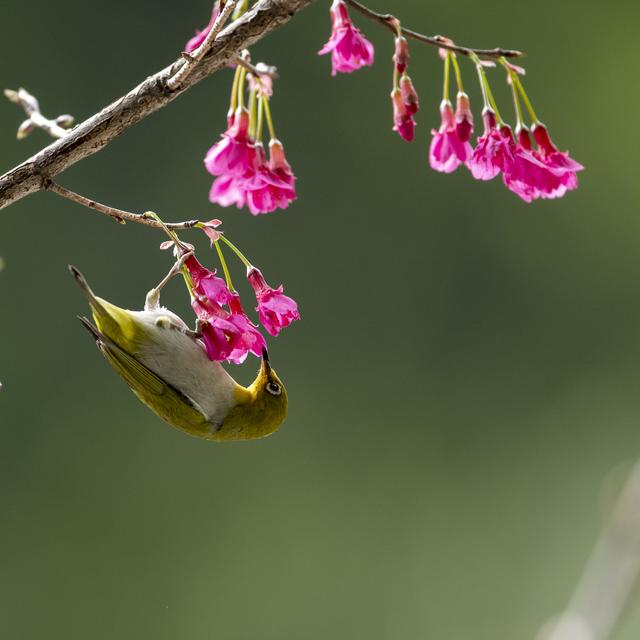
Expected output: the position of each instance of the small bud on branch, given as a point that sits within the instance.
(55, 128)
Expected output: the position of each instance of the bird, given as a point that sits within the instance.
(167, 368)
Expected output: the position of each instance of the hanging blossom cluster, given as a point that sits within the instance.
(529, 170)
(244, 174)
(227, 333)
(245, 177)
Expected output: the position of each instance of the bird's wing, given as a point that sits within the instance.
(165, 400)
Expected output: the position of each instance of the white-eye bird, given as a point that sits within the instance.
(166, 366)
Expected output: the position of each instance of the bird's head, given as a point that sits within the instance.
(261, 409)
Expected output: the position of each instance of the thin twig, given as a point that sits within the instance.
(55, 128)
(390, 22)
(152, 94)
(192, 60)
(610, 577)
(117, 214)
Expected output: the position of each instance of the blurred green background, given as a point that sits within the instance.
(463, 383)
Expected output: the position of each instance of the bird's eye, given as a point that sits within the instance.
(273, 388)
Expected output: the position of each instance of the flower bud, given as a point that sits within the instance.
(464, 117)
(506, 132)
(541, 136)
(339, 14)
(401, 54)
(25, 129)
(403, 121)
(277, 159)
(28, 101)
(240, 127)
(256, 280)
(275, 310)
(489, 119)
(12, 96)
(523, 137)
(409, 95)
(447, 117)
(65, 120)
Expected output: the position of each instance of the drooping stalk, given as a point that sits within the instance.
(234, 90)
(267, 113)
(445, 86)
(487, 95)
(236, 251)
(456, 69)
(223, 262)
(525, 99)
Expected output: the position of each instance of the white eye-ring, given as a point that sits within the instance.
(273, 388)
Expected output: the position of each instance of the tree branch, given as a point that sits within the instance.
(193, 59)
(150, 95)
(390, 22)
(119, 215)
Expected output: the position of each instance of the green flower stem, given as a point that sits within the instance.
(516, 104)
(227, 275)
(456, 69)
(494, 104)
(513, 77)
(253, 116)
(236, 251)
(525, 98)
(267, 113)
(243, 74)
(445, 87)
(187, 280)
(172, 234)
(260, 119)
(234, 90)
(487, 95)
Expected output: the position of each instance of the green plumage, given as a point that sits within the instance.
(167, 369)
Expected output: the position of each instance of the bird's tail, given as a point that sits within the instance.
(108, 318)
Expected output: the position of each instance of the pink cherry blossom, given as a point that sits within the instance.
(278, 162)
(272, 186)
(227, 333)
(349, 49)
(228, 190)
(409, 95)
(493, 150)
(464, 117)
(244, 174)
(527, 176)
(207, 287)
(401, 54)
(210, 229)
(275, 310)
(558, 162)
(247, 339)
(218, 335)
(200, 36)
(231, 156)
(403, 121)
(447, 151)
(539, 174)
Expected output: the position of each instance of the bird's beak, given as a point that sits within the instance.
(266, 367)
